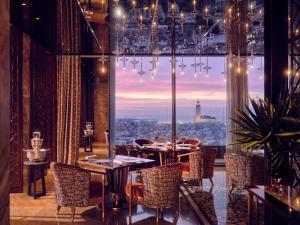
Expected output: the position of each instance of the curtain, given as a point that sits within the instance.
(237, 96)
(237, 75)
(68, 80)
(68, 108)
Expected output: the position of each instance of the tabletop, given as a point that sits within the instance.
(163, 147)
(35, 163)
(119, 161)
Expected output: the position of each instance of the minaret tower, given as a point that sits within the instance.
(198, 112)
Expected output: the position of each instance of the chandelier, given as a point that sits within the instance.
(202, 30)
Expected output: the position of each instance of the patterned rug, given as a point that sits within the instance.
(214, 206)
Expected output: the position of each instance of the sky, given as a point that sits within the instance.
(149, 97)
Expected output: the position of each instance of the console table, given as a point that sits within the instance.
(285, 203)
(36, 171)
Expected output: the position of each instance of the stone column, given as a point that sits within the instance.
(4, 112)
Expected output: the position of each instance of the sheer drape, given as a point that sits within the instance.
(237, 96)
(237, 75)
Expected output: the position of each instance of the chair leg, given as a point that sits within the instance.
(200, 182)
(161, 213)
(211, 181)
(231, 189)
(58, 209)
(72, 214)
(130, 199)
(157, 215)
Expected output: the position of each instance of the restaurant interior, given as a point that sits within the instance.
(140, 112)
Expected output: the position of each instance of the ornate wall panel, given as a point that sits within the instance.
(4, 112)
(16, 163)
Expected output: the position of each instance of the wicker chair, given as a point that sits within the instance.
(159, 188)
(200, 165)
(74, 188)
(243, 170)
(139, 144)
(195, 142)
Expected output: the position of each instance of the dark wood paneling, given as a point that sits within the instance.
(276, 47)
(43, 97)
(16, 112)
(4, 112)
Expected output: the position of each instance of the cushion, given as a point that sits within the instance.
(137, 191)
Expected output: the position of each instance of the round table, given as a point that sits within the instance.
(36, 171)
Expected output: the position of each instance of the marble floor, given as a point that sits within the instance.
(26, 211)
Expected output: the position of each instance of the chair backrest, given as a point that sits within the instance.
(71, 185)
(208, 164)
(141, 141)
(126, 150)
(192, 141)
(196, 165)
(239, 170)
(161, 185)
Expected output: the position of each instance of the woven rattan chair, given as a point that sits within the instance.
(74, 188)
(139, 144)
(200, 165)
(243, 170)
(159, 188)
(195, 142)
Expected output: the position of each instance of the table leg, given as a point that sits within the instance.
(29, 180)
(43, 181)
(161, 158)
(34, 183)
(91, 144)
(257, 211)
(250, 199)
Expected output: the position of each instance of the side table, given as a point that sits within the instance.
(88, 147)
(36, 171)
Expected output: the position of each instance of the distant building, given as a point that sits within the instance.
(202, 118)
(198, 112)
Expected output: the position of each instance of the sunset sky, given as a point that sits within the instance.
(147, 98)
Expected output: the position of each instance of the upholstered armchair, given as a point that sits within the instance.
(159, 188)
(200, 165)
(74, 188)
(243, 170)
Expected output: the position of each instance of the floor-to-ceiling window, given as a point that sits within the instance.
(143, 100)
(203, 61)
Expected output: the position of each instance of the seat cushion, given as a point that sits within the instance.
(137, 191)
(186, 167)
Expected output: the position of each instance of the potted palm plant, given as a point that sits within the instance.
(274, 127)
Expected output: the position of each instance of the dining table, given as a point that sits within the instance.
(167, 153)
(116, 169)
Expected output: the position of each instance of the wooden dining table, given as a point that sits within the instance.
(116, 169)
(166, 152)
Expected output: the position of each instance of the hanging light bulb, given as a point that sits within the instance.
(103, 68)
(134, 62)
(117, 61)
